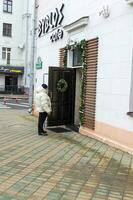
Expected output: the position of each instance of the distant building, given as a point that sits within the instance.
(89, 44)
(15, 44)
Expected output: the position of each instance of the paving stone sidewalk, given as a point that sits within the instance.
(61, 166)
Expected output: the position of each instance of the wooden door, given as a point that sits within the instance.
(62, 102)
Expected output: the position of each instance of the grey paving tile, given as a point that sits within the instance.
(60, 166)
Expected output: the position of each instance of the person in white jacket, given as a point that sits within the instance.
(43, 106)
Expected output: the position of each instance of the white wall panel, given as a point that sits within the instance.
(114, 57)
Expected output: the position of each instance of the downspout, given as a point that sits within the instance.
(32, 58)
(26, 43)
(130, 113)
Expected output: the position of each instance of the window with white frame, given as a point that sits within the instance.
(74, 58)
(7, 6)
(6, 54)
(77, 57)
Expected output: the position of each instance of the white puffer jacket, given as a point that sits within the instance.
(42, 101)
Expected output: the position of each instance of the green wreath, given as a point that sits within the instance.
(62, 85)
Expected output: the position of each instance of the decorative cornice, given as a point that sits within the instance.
(82, 22)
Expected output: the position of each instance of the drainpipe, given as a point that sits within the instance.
(32, 58)
(27, 15)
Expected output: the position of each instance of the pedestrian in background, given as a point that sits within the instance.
(43, 106)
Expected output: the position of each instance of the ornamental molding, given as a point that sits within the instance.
(80, 23)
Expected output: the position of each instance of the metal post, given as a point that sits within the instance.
(31, 88)
(27, 15)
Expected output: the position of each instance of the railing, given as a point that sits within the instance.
(11, 89)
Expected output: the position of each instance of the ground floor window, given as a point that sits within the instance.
(74, 57)
(11, 83)
(77, 57)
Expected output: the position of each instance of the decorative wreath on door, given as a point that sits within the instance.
(62, 85)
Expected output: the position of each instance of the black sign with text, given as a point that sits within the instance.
(51, 22)
(57, 35)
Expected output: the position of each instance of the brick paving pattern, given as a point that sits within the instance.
(61, 166)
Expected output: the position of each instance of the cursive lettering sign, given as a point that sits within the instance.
(51, 21)
(57, 35)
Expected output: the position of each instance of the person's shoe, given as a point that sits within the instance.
(40, 133)
(43, 134)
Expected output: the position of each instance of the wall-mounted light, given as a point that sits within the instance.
(21, 46)
(105, 12)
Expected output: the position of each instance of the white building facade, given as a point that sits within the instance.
(15, 44)
(107, 95)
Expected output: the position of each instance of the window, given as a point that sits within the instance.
(77, 57)
(7, 29)
(6, 54)
(7, 6)
(74, 58)
(3, 53)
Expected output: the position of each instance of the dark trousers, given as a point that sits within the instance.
(41, 120)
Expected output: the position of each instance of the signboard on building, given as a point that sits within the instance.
(51, 22)
(11, 70)
(39, 63)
